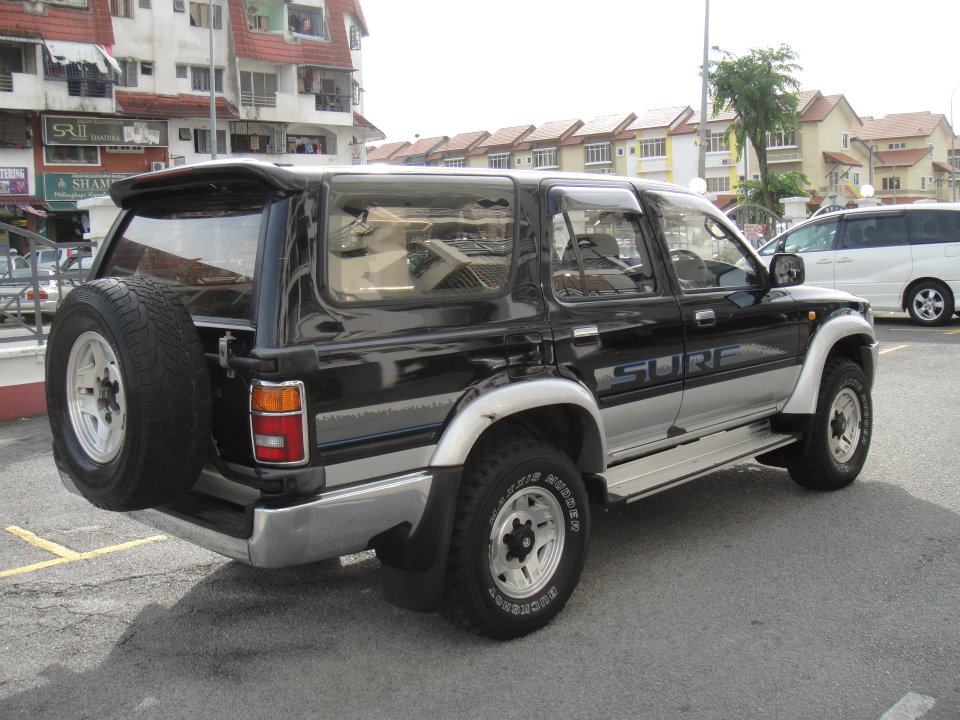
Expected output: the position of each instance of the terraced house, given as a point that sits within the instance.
(94, 90)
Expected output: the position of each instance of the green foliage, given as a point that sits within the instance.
(780, 185)
(761, 88)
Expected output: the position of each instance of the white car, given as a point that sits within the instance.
(899, 257)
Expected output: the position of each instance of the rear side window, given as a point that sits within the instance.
(933, 226)
(816, 237)
(873, 231)
(208, 256)
(417, 238)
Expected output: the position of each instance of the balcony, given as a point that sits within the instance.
(254, 100)
(21, 91)
(776, 156)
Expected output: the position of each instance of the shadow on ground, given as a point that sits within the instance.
(738, 595)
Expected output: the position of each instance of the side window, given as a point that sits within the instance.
(817, 237)
(598, 247)
(705, 255)
(933, 226)
(873, 231)
(416, 238)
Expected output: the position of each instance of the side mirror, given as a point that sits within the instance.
(786, 270)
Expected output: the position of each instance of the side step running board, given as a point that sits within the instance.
(647, 475)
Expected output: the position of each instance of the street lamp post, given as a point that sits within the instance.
(213, 87)
(705, 75)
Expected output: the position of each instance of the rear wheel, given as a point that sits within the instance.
(833, 454)
(519, 538)
(930, 303)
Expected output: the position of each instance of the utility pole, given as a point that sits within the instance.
(705, 76)
(213, 87)
(955, 160)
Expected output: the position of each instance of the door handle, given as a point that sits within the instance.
(825, 261)
(586, 334)
(705, 318)
(844, 260)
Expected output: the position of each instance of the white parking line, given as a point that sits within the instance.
(910, 707)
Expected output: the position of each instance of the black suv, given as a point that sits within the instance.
(448, 367)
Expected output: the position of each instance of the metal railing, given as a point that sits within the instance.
(23, 291)
(331, 102)
(250, 99)
(6, 82)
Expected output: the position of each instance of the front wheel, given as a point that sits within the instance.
(836, 449)
(930, 303)
(519, 538)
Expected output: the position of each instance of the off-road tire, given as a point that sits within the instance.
(498, 468)
(166, 386)
(814, 466)
(943, 291)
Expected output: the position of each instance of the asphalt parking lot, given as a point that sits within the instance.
(739, 595)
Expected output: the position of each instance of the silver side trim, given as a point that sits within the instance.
(803, 401)
(374, 466)
(648, 475)
(478, 415)
(338, 522)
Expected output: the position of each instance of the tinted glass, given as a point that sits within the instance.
(873, 231)
(704, 254)
(611, 251)
(817, 237)
(934, 226)
(208, 256)
(409, 238)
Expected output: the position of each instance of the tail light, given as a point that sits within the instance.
(43, 295)
(278, 422)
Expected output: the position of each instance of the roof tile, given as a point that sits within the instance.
(92, 25)
(148, 105)
(463, 141)
(658, 117)
(554, 130)
(605, 124)
(901, 158)
(423, 146)
(385, 152)
(896, 125)
(817, 110)
(506, 137)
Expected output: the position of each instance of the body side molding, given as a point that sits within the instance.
(803, 401)
(467, 425)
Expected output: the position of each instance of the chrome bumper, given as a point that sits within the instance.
(335, 523)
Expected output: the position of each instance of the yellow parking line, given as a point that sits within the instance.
(891, 349)
(36, 541)
(65, 554)
(952, 332)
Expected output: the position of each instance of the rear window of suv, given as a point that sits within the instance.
(207, 255)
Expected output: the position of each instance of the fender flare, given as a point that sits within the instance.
(803, 400)
(479, 414)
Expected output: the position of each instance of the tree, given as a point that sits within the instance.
(761, 89)
(779, 185)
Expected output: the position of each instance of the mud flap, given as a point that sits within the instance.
(414, 565)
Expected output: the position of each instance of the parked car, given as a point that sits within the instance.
(442, 365)
(903, 257)
(49, 258)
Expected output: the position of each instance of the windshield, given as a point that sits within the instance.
(207, 255)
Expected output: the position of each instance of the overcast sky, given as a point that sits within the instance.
(439, 67)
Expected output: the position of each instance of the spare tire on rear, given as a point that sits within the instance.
(128, 393)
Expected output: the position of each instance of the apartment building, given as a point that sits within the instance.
(95, 90)
(910, 155)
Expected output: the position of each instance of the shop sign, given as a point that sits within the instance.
(70, 187)
(58, 130)
(13, 181)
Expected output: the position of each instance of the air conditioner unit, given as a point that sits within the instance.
(154, 166)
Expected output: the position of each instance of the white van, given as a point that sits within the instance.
(899, 257)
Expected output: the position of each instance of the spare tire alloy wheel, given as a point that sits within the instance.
(128, 394)
(96, 397)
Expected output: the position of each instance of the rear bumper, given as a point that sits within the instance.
(338, 522)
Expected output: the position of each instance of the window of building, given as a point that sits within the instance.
(357, 93)
(128, 72)
(71, 155)
(833, 180)
(856, 179)
(596, 153)
(201, 141)
(594, 170)
(598, 246)
(13, 130)
(307, 145)
(68, 3)
(704, 254)
(891, 183)
(15, 58)
(782, 138)
(923, 183)
(929, 151)
(873, 231)
(845, 141)
(455, 162)
(258, 89)
(200, 15)
(620, 151)
(182, 72)
(145, 4)
(498, 161)
(179, 6)
(518, 161)
(305, 20)
(717, 141)
(545, 158)
(200, 79)
(896, 146)
(121, 8)
(146, 68)
(354, 37)
(124, 149)
(400, 239)
(718, 184)
(653, 147)
(257, 138)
